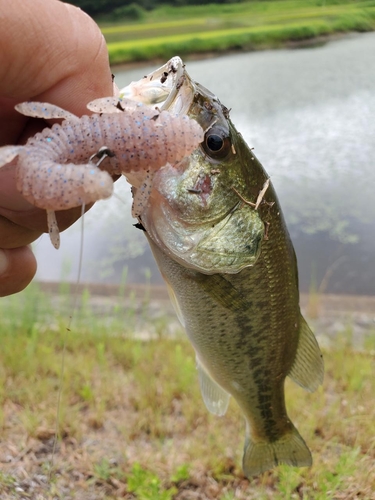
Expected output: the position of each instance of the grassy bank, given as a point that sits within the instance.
(168, 31)
(132, 422)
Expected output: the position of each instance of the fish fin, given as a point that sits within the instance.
(215, 398)
(290, 449)
(224, 292)
(308, 368)
(176, 305)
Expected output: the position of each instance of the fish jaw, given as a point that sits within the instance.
(168, 88)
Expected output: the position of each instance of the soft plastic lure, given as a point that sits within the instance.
(71, 163)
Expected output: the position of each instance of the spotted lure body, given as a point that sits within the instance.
(58, 168)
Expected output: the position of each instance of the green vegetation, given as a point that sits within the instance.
(167, 31)
(95, 7)
(132, 423)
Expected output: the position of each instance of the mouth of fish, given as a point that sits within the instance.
(168, 88)
(192, 215)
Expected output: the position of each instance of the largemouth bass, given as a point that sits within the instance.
(218, 235)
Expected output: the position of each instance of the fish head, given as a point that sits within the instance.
(201, 211)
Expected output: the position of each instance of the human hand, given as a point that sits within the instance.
(49, 52)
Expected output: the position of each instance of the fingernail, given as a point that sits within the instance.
(3, 262)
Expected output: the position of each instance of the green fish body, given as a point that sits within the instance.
(218, 235)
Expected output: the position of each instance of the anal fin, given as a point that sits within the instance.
(308, 368)
(176, 305)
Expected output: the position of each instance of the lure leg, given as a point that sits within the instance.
(44, 110)
(8, 153)
(141, 195)
(53, 228)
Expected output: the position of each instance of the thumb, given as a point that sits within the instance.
(17, 269)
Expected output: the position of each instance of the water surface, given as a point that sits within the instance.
(309, 114)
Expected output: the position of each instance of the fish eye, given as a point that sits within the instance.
(216, 144)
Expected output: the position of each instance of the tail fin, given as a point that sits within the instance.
(290, 449)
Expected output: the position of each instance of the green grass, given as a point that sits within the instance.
(168, 31)
(132, 423)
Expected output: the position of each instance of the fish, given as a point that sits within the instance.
(217, 232)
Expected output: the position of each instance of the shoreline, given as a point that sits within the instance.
(328, 315)
(328, 302)
(307, 43)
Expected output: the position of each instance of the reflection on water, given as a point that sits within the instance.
(309, 115)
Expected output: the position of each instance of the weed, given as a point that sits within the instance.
(138, 401)
(147, 485)
(181, 474)
(105, 470)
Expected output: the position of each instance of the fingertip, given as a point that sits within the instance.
(17, 268)
(55, 53)
(84, 65)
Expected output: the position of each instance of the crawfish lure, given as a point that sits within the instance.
(71, 164)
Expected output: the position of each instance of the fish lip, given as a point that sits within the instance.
(173, 89)
(170, 86)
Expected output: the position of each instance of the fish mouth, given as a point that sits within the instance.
(192, 215)
(170, 88)
(167, 88)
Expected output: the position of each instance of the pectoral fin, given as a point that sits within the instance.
(176, 305)
(222, 291)
(308, 368)
(215, 398)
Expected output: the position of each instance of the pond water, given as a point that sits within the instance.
(309, 114)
